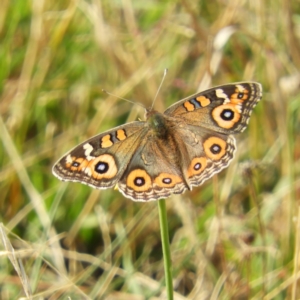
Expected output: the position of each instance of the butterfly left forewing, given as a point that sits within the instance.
(225, 109)
(101, 160)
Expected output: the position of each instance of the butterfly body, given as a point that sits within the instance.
(169, 152)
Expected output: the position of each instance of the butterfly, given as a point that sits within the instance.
(169, 152)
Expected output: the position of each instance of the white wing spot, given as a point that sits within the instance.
(88, 171)
(240, 88)
(69, 159)
(220, 94)
(88, 150)
(239, 107)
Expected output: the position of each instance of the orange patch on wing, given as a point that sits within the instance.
(121, 134)
(106, 141)
(197, 166)
(189, 106)
(83, 163)
(240, 95)
(222, 122)
(203, 101)
(77, 164)
(139, 180)
(214, 147)
(167, 180)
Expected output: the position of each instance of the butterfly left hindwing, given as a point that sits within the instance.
(168, 153)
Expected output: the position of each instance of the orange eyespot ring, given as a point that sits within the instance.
(226, 116)
(197, 165)
(139, 180)
(215, 148)
(167, 180)
(102, 167)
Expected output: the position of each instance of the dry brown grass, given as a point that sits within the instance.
(235, 237)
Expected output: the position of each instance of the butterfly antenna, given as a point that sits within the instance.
(163, 79)
(135, 103)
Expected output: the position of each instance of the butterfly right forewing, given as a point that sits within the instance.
(225, 109)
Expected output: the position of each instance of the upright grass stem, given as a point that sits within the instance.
(166, 247)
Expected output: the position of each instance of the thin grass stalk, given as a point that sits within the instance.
(164, 231)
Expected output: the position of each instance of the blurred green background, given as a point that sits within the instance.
(235, 237)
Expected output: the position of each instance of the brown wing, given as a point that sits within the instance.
(225, 109)
(188, 157)
(101, 160)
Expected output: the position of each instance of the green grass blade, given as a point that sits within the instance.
(166, 247)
